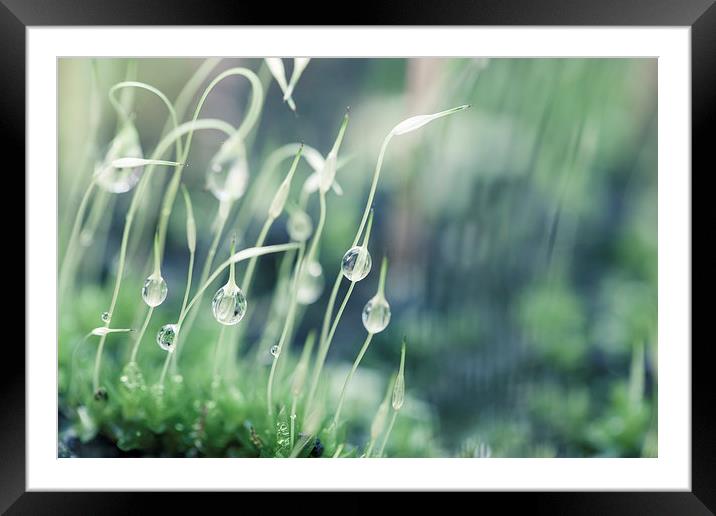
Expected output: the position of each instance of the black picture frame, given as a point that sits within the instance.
(700, 15)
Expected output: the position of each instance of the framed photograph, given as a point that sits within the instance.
(450, 257)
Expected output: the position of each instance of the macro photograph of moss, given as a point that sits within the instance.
(357, 258)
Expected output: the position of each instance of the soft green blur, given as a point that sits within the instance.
(521, 236)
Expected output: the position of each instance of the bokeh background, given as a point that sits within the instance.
(521, 234)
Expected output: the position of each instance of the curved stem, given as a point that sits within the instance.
(135, 349)
(135, 84)
(219, 224)
(249, 121)
(251, 267)
(326, 343)
(362, 351)
(183, 306)
(161, 148)
(235, 259)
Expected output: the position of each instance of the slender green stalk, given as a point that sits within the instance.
(376, 427)
(284, 333)
(241, 255)
(337, 454)
(247, 124)
(405, 126)
(219, 224)
(217, 351)
(356, 362)
(326, 343)
(251, 267)
(387, 433)
(294, 402)
(191, 244)
(135, 349)
(159, 151)
(165, 367)
(275, 211)
(190, 88)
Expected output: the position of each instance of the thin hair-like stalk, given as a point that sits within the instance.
(129, 218)
(326, 343)
(403, 127)
(356, 363)
(284, 334)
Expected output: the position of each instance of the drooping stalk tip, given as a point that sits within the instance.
(279, 200)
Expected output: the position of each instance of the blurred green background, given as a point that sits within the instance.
(521, 234)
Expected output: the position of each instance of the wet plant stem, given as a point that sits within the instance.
(135, 349)
(161, 148)
(356, 362)
(286, 327)
(387, 433)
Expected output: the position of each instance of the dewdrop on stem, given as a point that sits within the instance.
(229, 302)
(155, 289)
(299, 225)
(120, 179)
(376, 313)
(310, 283)
(279, 199)
(228, 172)
(166, 337)
(356, 263)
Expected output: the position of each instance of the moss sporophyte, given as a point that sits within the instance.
(257, 410)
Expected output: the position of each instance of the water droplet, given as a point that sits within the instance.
(227, 177)
(310, 284)
(125, 145)
(356, 263)
(101, 394)
(154, 291)
(166, 337)
(299, 226)
(275, 351)
(376, 314)
(229, 305)
(106, 317)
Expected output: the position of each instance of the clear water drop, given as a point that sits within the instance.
(166, 336)
(229, 305)
(125, 145)
(275, 351)
(356, 263)
(227, 177)
(117, 180)
(310, 284)
(154, 291)
(106, 317)
(376, 314)
(299, 226)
